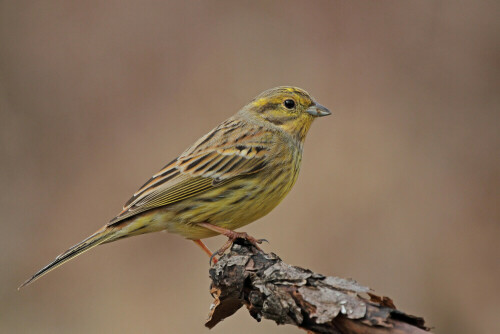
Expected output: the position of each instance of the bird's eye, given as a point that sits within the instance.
(289, 104)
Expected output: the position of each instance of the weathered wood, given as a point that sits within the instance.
(272, 289)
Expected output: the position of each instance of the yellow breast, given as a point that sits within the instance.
(238, 202)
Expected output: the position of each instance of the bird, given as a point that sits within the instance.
(230, 177)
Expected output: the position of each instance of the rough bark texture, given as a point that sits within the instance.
(272, 289)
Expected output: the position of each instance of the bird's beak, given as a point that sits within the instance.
(317, 110)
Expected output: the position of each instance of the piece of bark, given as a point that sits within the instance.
(272, 289)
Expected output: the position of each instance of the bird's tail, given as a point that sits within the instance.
(103, 235)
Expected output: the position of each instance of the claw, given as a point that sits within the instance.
(213, 258)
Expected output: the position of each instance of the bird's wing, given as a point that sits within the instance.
(231, 150)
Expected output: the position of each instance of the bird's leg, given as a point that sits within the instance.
(232, 236)
(205, 249)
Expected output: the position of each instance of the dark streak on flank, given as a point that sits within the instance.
(186, 209)
(256, 194)
(224, 194)
(208, 199)
(228, 192)
(236, 187)
(239, 200)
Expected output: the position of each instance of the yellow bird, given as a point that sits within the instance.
(232, 176)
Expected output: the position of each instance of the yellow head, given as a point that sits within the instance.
(289, 108)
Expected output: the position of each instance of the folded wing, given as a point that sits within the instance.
(232, 150)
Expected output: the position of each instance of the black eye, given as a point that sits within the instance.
(289, 104)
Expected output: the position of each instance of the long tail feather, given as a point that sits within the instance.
(99, 237)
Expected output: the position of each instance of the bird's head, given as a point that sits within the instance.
(289, 108)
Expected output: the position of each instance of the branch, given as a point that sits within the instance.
(272, 289)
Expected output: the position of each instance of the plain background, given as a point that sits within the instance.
(399, 188)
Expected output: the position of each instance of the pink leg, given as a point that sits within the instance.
(204, 248)
(232, 235)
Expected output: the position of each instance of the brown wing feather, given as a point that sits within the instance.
(216, 158)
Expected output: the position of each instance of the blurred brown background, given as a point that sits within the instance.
(398, 189)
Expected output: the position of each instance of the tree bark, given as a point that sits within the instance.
(272, 289)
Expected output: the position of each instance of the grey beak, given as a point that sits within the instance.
(318, 110)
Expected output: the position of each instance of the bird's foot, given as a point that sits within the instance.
(231, 237)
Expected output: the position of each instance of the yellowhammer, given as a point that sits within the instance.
(230, 177)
